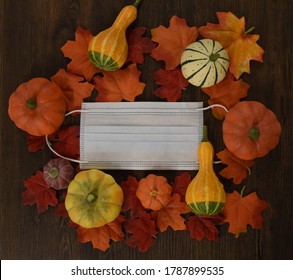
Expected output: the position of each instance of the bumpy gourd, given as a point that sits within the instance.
(37, 107)
(154, 192)
(205, 194)
(109, 49)
(250, 130)
(93, 199)
(204, 63)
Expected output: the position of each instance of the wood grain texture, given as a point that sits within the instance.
(31, 34)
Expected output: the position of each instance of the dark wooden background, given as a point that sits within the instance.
(31, 34)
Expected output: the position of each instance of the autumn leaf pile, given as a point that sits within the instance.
(139, 223)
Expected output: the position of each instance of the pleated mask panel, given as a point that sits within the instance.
(140, 135)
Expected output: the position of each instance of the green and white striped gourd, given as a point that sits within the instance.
(204, 63)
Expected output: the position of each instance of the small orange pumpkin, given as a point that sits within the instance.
(154, 192)
(37, 107)
(250, 130)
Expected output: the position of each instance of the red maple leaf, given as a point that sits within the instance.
(37, 142)
(67, 143)
(61, 210)
(142, 229)
(37, 192)
(77, 51)
(181, 183)
(201, 227)
(131, 201)
(172, 41)
(240, 46)
(101, 236)
(172, 83)
(170, 214)
(228, 92)
(118, 85)
(75, 90)
(241, 211)
(138, 45)
(237, 168)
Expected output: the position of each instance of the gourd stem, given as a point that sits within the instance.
(136, 3)
(254, 133)
(31, 104)
(154, 192)
(91, 198)
(214, 56)
(53, 172)
(205, 134)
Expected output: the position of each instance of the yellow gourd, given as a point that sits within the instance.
(93, 199)
(205, 194)
(109, 49)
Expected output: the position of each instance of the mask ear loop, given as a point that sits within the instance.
(85, 111)
(210, 107)
(57, 154)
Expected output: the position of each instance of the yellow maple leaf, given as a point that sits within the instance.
(239, 44)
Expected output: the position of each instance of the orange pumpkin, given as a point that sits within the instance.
(154, 192)
(37, 107)
(250, 130)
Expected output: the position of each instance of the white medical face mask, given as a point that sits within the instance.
(140, 135)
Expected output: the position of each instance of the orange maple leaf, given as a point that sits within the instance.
(172, 41)
(74, 89)
(240, 46)
(228, 92)
(241, 211)
(77, 51)
(238, 169)
(101, 236)
(170, 214)
(118, 85)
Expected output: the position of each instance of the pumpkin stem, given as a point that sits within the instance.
(214, 56)
(249, 30)
(53, 172)
(254, 133)
(136, 3)
(31, 103)
(90, 198)
(154, 192)
(205, 134)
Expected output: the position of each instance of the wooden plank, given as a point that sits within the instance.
(31, 33)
